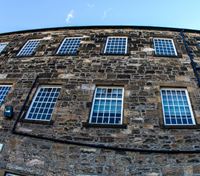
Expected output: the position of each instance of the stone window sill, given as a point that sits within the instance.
(89, 125)
(37, 121)
(181, 126)
(160, 56)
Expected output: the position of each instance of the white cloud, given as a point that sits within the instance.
(70, 16)
(106, 12)
(90, 5)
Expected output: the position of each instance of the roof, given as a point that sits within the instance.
(104, 27)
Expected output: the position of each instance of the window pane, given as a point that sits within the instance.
(43, 104)
(175, 110)
(2, 46)
(164, 47)
(10, 174)
(4, 89)
(107, 107)
(69, 46)
(29, 48)
(116, 45)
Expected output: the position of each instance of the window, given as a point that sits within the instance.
(4, 89)
(164, 47)
(43, 103)
(107, 106)
(69, 46)
(2, 46)
(11, 174)
(29, 48)
(116, 45)
(176, 107)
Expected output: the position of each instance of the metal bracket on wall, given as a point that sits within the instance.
(195, 66)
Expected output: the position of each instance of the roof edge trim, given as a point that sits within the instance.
(104, 27)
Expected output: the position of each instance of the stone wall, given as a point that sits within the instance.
(140, 72)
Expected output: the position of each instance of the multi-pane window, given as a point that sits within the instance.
(116, 45)
(176, 107)
(107, 106)
(43, 103)
(4, 89)
(29, 48)
(2, 46)
(69, 46)
(164, 47)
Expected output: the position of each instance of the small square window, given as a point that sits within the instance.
(4, 89)
(176, 107)
(3, 46)
(164, 47)
(107, 107)
(43, 103)
(116, 45)
(69, 46)
(29, 48)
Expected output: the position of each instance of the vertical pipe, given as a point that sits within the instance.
(193, 64)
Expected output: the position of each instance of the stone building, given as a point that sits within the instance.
(100, 101)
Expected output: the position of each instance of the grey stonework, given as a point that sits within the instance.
(140, 72)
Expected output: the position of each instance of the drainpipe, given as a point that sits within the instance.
(195, 66)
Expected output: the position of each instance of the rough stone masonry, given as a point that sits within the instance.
(140, 72)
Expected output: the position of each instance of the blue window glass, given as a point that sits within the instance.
(3, 46)
(116, 45)
(69, 46)
(107, 106)
(4, 89)
(176, 107)
(43, 104)
(29, 48)
(164, 47)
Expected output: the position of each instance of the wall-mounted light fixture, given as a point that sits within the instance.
(8, 111)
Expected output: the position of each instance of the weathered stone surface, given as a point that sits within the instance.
(34, 162)
(141, 73)
(173, 171)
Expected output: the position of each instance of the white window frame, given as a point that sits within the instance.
(189, 103)
(126, 46)
(165, 39)
(5, 85)
(93, 101)
(6, 43)
(33, 100)
(25, 46)
(64, 42)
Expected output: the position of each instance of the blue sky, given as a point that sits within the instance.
(32, 14)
